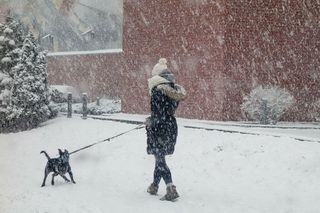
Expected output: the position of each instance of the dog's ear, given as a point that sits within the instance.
(66, 151)
(60, 152)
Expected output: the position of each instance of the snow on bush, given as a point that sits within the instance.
(8, 30)
(267, 104)
(23, 80)
(56, 96)
(5, 60)
(59, 93)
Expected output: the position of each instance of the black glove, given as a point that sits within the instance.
(149, 122)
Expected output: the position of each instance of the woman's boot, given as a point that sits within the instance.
(172, 193)
(153, 189)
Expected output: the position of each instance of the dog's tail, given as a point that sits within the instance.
(44, 152)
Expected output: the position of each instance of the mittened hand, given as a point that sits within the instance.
(148, 122)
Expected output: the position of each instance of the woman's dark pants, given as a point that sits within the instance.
(161, 170)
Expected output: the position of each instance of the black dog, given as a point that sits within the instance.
(59, 166)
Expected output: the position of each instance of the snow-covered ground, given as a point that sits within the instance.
(271, 170)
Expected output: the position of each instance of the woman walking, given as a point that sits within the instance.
(161, 126)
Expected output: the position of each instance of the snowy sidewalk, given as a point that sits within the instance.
(309, 132)
(214, 171)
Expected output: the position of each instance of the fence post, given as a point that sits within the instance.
(98, 101)
(84, 105)
(264, 110)
(69, 105)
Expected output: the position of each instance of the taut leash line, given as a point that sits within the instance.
(107, 139)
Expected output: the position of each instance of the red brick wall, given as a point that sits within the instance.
(221, 50)
(189, 38)
(96, 75)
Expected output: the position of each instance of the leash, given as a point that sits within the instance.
(108, 139)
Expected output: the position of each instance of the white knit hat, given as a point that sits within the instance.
(159, 67)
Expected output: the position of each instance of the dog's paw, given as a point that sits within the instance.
(42, 185)
(74, 182)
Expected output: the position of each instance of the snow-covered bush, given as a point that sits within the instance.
(106, 106)
(54, 109)
(11, 39)
(59, 93)
(56, 96)
(24, 92)
(267, 104)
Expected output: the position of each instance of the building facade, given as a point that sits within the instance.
(219, 50)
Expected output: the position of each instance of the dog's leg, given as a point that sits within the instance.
(45, 177)
(71, 176)
(65, 178)
(53, 175)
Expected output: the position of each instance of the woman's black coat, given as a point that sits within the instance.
(162, 130)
